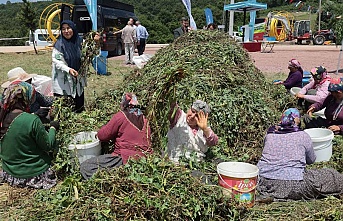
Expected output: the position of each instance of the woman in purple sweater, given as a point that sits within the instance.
(295, 75)
(333, 112)
(283, 174)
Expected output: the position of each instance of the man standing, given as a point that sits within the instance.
(129, 35)
(183, 29)
(142, 36)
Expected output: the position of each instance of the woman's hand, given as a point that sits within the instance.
(278, 82)
(201, 119)
(97, 36)
(334, 128)
(298, 95)
(310, 111)
(72, 72)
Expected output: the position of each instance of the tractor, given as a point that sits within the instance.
(302, 32)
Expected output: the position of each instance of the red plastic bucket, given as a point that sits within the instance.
(239, 181)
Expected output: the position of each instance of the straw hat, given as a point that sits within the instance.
(17, 74)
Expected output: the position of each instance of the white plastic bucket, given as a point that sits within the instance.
(239, 180)
(295, 90)
(85, 146)
(322, 143)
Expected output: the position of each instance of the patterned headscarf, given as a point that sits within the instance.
(18, 95)
(199, 105)
(18, 91)
(336, 85)
(287, 122)
(129, 101)
(320, 73)
(288, 116)
(294, 63)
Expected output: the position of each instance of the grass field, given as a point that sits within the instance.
(41, 64)
(13, 199)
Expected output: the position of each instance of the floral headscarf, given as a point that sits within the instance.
(320, 73)
(294, 63)
(287, 122)
(18, 92)
(287, 117)
(18, 95)
(129, 102)
(336, 85)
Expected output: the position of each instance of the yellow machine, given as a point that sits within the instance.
(279, 25)
(50, 20)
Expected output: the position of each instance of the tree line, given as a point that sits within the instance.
(162, 17)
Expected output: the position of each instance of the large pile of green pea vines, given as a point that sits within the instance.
(211, 67)
(200, 65)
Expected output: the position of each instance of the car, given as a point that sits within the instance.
(237, 36)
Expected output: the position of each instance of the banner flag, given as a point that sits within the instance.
(187, 4)
(209, 16)
(92, 10)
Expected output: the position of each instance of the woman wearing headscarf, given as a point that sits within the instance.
(189, 132)
(25, 144)
(130, 132)
(333, 105)
(282, 167)
(317, 89)
(66, 62)
(295, 75)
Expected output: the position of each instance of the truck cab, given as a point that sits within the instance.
(112, 17)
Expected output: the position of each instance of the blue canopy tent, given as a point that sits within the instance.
(248, 6)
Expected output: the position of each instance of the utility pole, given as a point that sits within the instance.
(320, 14)
(231, 19)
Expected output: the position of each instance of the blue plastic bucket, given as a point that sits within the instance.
(100, 63)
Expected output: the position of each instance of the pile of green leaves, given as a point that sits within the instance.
(210, 66)
(149, 189)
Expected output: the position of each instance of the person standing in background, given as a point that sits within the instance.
(129, 36)
(142, 36)
(183, 29)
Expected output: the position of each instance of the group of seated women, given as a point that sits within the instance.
(26, 146)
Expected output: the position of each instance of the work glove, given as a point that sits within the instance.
(55, 124)
(42, 112)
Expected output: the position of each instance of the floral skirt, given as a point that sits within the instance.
(45, 180)
(317, 183)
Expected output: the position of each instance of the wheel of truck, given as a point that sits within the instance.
(319, 40)
(119, 50)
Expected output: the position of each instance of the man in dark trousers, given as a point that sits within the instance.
(142, 36)
(183, 29)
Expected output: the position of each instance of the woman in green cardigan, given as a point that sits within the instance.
(24, 142)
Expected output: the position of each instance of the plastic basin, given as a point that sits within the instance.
(85, 145)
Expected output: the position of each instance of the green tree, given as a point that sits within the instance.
(28, 18)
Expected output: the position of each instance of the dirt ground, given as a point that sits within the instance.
(276, 62)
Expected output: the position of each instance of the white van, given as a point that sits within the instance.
(41, 37)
